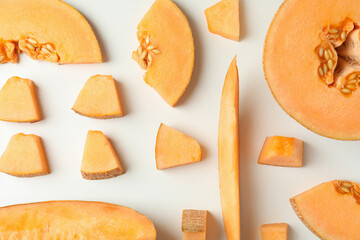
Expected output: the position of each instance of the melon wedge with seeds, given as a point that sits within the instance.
(24, 156)
(99, 160)
(274, 231)
(18, 101)
(99, 98)
(194, 224)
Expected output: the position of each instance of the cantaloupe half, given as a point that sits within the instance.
(74, 220)
(228, 144)
(224, 19)
(18, 101)
(274, 231)
(99, 160)
(330, 210)
(166, 50)
(99, 98)
(174, 148)
(313, 69)
(282, 151)
(194, 224)
(49, 30)
(24, 156)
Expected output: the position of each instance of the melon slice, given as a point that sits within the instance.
(228, 144)
(330, 210)
(24, 156)
(99, 98)
(99, 160)
(74, 220)
(224, 19)
(174, 148)
(282, 151)
(18, 101)
(274, 231)
(45, 29)
(194, 224)
(166, 50)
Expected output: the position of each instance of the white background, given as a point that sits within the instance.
(161, 195)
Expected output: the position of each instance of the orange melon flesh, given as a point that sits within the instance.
(224, 19)
(18, 101)
(50, 22)
(282, 151)
(171, 67)
(274, 231)
(174, 148)
(291, 67)
(330, 210)
(99, 98)
(24, 156)
(74, 220)
(194, 224)
(228, 144)
(99, 160)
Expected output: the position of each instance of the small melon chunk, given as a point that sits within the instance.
(194, 224)
(99, 98)
(99, 160)
(24, 156)
(274, 231)
(224, 19)
(174, 148)
(18, 101)
(282, 151)
(330, 210)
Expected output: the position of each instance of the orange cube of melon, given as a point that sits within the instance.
(24, 156)
(274, 231)
(282, 151)
(18, 101)
(194, 224)
(174, 148)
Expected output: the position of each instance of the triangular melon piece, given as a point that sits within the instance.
(224, 19)
(274, 231)
(24, 156)
(99, 98)
(18, 101)
(174, 148)
(99, 160)
(331, 210)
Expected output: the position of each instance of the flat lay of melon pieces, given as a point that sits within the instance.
(315, 79)
(99, 98)
(24, 156)
(166, 50)
(51, 37)
(274, 231)
(99, 159)
(74, 220)
(194, 224)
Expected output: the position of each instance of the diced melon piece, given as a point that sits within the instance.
(18, 101)
(274, 231)
(194, 224)
(282, 151)
(224, 19)
(174, 148)
(24, 156)
(99, 160)
(99, 98)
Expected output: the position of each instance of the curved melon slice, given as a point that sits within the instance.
(24, 156)
(46, 30)
(194, 224)
(174, 148)
(166, 50)
(224, 19)
(74, 220)
(99, 98)
(330, 210)
(18, 101)
(228, 144)
(274, 231)
(99, 160)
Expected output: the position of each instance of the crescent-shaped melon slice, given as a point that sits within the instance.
(74, 220)
(330, 210)
(166, 50)
(49, 30)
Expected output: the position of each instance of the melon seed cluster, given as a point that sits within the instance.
(145, 52)
(346, 187)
